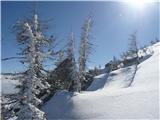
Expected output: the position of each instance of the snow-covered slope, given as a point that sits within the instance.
(109, 96)
(115, 80)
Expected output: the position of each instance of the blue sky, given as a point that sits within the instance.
(113, 22)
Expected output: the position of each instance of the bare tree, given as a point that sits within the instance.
(133, 51)
(73, 74)
(85, 48)
(71, 46)
(133, 46)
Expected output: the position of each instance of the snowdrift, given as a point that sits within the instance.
(110, 97)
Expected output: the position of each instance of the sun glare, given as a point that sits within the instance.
(138, 4)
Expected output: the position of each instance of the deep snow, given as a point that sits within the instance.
(109, 96)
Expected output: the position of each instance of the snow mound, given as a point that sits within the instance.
(110, 97)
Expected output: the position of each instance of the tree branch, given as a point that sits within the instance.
(10, 58)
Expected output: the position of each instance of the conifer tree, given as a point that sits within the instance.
(34, 50)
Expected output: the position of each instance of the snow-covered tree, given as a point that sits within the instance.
(115, 60)
(133, 53)
(157, 40)
(154, 41)
(71, 46)
(73, 72)
(133, 46)
(114, 63)
(35, 49)
(85, 48)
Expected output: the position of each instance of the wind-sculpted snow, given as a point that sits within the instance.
(110, 97)
(114, 80)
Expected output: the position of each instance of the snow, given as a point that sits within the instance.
(98, 82)
(116, 79)
(147, 75)
(109, 96)
(8, 84)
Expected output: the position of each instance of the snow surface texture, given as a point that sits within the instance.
(109, 98)
(116, 79)
(8, 85)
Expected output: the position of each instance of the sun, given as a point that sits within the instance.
(138, 4)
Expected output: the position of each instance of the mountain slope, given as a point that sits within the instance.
(108, 97)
